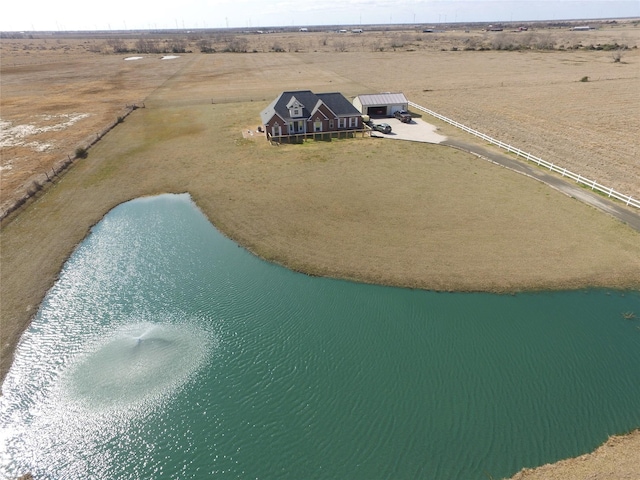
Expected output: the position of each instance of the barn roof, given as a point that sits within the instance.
(374, 99)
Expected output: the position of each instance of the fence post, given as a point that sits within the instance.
(519, 152)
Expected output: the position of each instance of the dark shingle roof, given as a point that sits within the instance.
(335, 101)
(338, 104)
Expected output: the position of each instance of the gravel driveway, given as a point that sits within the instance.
(418, 130)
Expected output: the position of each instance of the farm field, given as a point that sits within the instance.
(60, 92)
(382, 212)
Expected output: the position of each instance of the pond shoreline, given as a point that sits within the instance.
(614, 459)
(525, 471)
(266, 216)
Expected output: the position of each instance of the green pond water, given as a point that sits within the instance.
(166, 351)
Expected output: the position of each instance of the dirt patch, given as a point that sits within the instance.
(531, 99)
(253, 134)
(401, 213)
(616, 459)
(54, 103)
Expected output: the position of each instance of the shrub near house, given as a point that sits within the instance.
(303, 112)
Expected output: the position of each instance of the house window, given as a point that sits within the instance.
(342, 123)
(317, 126)
(330, 124)
(296, 112)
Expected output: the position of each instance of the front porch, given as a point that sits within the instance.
(320, 136)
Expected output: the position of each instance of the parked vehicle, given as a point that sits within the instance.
(403, 116)
(382, 127)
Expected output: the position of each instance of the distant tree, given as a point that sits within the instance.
(617, 55)
(340, 46)
(81, 152)
(471, 43)
(178, 45)
(545, 41)
(499, 41)
(118, 45)
(205, 45)
(94, 47)
(237, 45)
(147, 45)
(376, 46)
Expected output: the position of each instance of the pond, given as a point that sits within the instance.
(165, 350)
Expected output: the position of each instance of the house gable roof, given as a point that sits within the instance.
(267, 115)
(336, 102)
(318, 109)
(294, 103)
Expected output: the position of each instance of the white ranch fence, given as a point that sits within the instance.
(609, 192)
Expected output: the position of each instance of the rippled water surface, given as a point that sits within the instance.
(166, 351)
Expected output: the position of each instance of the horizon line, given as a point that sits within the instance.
(325, 26)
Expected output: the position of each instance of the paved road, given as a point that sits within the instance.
(621, 212)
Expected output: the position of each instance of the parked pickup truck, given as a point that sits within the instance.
(403, 116)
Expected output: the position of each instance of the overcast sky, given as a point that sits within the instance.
(21, 15)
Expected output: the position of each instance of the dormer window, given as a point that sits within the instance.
(295, 108)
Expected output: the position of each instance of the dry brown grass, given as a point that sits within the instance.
(384, 212)
(616, 459)
(532, 99)
(65, 76)
(44, 87)
(359, 209)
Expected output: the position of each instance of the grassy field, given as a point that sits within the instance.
(533, 99)
(407, 214)
(399, 213)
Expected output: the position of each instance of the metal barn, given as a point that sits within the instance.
(381, 104)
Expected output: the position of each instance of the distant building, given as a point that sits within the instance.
(304, 29)
(582, 28)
